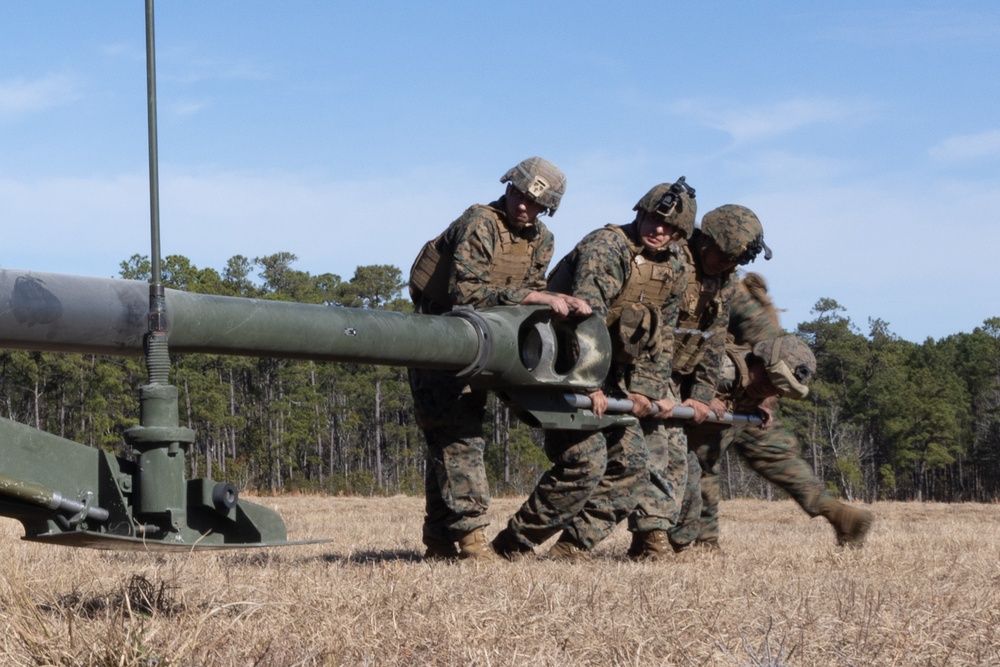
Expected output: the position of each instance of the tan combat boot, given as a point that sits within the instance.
(655, 545)
(567, 550)
(505, 545)
(851, 523)
(473, 545)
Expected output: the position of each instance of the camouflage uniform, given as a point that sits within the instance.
(773, 453)
(600, 477)
(450, 412)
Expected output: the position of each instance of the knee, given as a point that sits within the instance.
(585, 469)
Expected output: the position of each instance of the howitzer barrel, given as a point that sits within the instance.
(512, 345)
(54, 312)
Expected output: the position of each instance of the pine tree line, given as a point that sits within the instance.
(886, 418)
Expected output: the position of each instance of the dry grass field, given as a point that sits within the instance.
(924, 591)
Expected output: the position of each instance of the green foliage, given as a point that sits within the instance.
(885, 418)
(900, 420)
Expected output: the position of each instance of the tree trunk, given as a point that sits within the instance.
(378, 433)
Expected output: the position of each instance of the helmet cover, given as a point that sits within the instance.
(790, 364)
(539, 179)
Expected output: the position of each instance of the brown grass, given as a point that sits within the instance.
(923, 592)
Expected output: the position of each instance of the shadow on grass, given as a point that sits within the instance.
(372, 556)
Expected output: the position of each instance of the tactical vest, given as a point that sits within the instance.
(702, 302)
(648, 282)
(634, 314)
(431, 270)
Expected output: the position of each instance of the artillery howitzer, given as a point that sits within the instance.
(67, 493)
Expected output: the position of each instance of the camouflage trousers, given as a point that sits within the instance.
(644, 486)
(450, 414)
(773, 453)
(600, 478)
(579, 459)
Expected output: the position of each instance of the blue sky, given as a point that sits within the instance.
(866, 136)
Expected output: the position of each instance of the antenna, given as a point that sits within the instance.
(157, 305)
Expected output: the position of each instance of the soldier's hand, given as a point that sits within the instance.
(701, 410)
(598, 402)
(577, 306)
(641, 406)
(554, 301)
(766, 416)
(718, 407)
(765, 410)
(665, 407)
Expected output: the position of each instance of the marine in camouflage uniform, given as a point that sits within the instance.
(492, 255)
(730, 235)
(772, 451)
(633, 276)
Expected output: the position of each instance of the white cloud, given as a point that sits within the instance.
(888, 248)
(188, 66)
(20, 96)
(965, 147)
(754, 123)
(188, 108)
(781, 166)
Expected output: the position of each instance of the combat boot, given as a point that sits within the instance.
(472, 545)
(851, 523)
(567, 550)
(655, 545)
(506, 546)
(441, 551)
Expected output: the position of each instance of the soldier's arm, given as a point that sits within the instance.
(601, 269)
(752, 320)
(475, 242)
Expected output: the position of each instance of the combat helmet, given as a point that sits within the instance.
(790, 364)
(539, 179)
(737, 232)
(674, 203)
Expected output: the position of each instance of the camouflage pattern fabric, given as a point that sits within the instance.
(683, 208)
(774, 453)
(708, 316)
(472, 243)
(631, 487)
(658, 504)
(450, 412)
(620, 456)
(732, 227)
(602, 265)
(579, 460)
(474, 238)
(699, 505)
(539, 179)
(752, 316)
